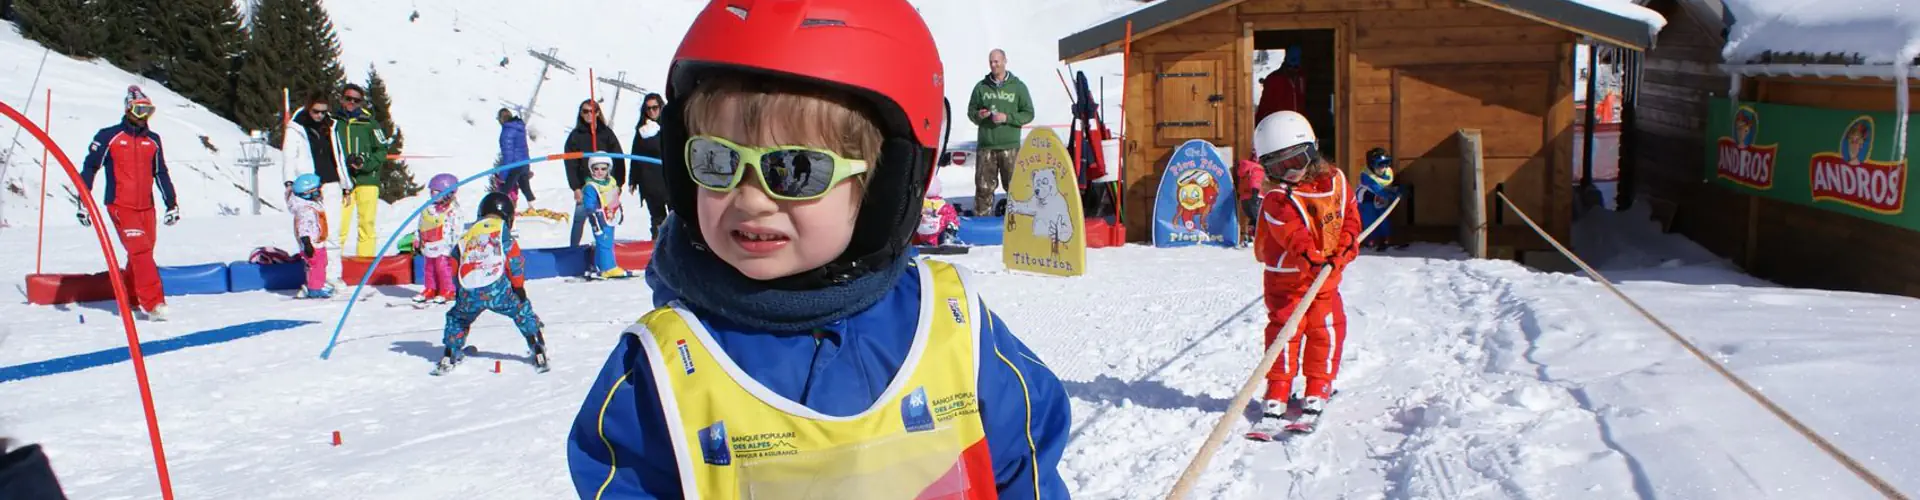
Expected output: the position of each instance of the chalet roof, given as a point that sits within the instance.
(1605, 20)
(1831, 32)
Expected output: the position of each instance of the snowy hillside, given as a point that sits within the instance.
(88, 96)
(445, 74)
(444, 69)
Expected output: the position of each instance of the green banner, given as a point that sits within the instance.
(1832, 159)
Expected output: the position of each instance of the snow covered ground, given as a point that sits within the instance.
(1464, 379)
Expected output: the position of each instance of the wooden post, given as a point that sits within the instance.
(1473, 194)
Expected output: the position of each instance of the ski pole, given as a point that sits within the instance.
(1191, 477)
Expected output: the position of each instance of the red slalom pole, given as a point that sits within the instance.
(119, 290)
(40, 246)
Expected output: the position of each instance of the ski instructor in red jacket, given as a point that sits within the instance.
(135, 164)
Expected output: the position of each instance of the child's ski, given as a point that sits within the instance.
(1299, 418)
(446, 365)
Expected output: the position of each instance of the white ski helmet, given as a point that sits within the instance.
(1281, 130)
(1283, 143)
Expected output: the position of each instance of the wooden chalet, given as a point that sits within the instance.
(1809, 243)
(1404, 75)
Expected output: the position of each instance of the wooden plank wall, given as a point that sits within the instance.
(1523, 100)
(1798, 245)
(1680, 76)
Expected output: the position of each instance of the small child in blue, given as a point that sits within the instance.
(1377, 192)
(602, 197)
(492, 276)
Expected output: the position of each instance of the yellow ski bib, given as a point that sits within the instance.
(735, 438)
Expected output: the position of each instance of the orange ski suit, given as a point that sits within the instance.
(1302, 229)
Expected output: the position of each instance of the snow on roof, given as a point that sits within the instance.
(1873, 31)
(1630, 10)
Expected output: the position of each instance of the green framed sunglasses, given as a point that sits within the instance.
(791, 173)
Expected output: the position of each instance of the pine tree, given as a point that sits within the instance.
(399, 182)
(290, 45)
(131, 28)
(65, 26)
(197, 43)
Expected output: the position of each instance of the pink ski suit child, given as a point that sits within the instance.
(310, 228)
(939, 221)
(1247, 177)
(435, 239)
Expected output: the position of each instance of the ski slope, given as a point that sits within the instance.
(1464, 379)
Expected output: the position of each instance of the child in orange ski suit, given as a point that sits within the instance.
(1305, 227)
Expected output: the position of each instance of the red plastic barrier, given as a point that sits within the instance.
(396, 270)
(51, 289)
(633, 255)
(1102, 234)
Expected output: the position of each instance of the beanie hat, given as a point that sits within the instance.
(134, 95)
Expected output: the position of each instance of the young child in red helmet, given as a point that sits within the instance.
(1309, 221)
(797, 345)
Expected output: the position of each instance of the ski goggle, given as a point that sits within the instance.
(140, 109)
(1296, 157)
(791, 173)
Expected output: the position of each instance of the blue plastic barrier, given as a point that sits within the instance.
(556, 262)
(980, 230)
(195, 279)
(419, 268)
(247, 276)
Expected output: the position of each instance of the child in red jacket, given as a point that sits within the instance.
(1309, 222)
(1247, 178)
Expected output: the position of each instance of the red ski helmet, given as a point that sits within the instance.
(879, 51)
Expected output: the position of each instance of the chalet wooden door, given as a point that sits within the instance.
(1190, 101)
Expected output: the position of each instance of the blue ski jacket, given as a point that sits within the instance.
(513, 145)
(619, 446)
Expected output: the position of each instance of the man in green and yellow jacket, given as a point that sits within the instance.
(359, 144)
(999, 107)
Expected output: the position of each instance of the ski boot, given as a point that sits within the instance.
(157, 313)
(423, 297)
(324, 293)
(1309, 418)
(615, 273)
(537, 344)
(447, 361)
(1273, 421)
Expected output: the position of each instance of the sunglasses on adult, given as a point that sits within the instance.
(790, 173)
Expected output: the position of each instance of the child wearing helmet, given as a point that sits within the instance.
(793, 324)
(1377, 192)
(434, 239)
(602, 198)
(1309, 222)
(939, 221)
(1248, 176)
(310, 228)
(492, 278)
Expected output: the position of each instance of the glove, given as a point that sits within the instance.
(1316, 259)
(356, 161)
(306, 247)
(84, 220)
(173, 215)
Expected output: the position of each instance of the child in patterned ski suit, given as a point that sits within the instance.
(310, 227)
(492, 277)
(434, 239)
(602, 197)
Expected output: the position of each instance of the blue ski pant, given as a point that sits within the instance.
(499, 298)
(603, 246)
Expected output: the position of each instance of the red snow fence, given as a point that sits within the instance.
(396, 271)
(52, 289)
(633, 255)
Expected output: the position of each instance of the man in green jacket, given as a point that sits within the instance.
(999, 107)
(359, 143)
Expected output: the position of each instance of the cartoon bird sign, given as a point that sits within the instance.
(1195, 201)
(1045, 230)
